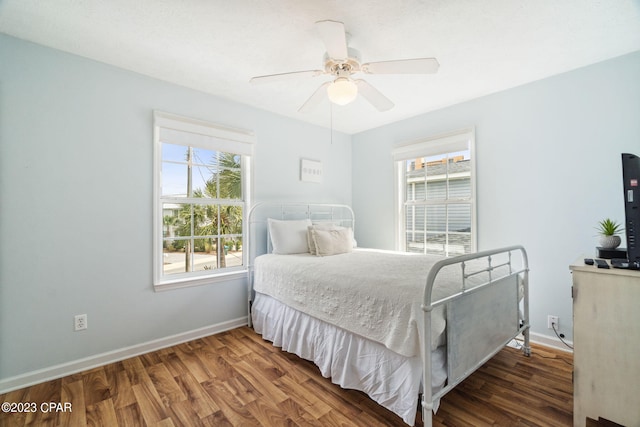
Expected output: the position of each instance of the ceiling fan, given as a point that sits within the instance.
(342, 62)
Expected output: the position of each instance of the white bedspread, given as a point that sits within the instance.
(375, 294)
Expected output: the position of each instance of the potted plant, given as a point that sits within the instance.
(608, 231)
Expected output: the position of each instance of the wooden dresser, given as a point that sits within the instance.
(606, 337)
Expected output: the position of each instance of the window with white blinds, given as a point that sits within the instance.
(201, 193)
(435, 182)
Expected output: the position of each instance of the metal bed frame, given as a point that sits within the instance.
(481, 319)
(490, 320)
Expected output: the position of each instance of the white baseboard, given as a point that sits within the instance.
(73, 367)
(550, 341)
(64, 369)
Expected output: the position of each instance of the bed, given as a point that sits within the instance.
(385, 323)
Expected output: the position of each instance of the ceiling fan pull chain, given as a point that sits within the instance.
(331, 120)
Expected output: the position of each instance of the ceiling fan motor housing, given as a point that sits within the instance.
(351, 64)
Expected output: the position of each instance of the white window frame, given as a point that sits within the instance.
(186, 131)
(435, 145)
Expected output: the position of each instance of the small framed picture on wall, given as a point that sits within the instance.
(310, 170)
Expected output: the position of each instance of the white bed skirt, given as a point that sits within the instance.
(353, 362)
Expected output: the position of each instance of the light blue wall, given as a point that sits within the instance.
(76, 181)
(548, 169)
(76, 204)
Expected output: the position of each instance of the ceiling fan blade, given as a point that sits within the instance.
(402, 66)
(314, 99)
(286, 76)
(373, 95)
(334, 38)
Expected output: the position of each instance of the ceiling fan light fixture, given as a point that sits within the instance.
(342, 91)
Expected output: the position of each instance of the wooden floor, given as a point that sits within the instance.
(237, 379)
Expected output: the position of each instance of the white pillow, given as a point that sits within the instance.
(332, 242)
(288, 237)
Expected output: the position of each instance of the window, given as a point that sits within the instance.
(202, 193)
(435, 193)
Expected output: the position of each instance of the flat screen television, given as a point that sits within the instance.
(631, 183)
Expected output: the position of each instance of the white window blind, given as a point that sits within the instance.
(427, 147)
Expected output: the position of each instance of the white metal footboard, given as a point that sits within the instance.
(481, 319)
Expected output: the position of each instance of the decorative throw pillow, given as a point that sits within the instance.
(288, 237)
(332, 242)
(320, 226)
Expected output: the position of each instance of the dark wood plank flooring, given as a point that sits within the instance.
(237, 379)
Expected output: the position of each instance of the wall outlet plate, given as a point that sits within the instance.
(80, 322)
(551, 320)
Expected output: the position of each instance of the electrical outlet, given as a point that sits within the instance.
(553, 320)
(80, 322)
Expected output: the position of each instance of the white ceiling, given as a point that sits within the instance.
(216, 46)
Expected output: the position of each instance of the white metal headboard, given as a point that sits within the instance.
(316, 212)
(258, 240)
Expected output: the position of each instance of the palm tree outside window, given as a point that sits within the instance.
(203, 192)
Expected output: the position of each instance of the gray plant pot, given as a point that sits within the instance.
(610, 242)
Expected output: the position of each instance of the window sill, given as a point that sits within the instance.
(167, 285)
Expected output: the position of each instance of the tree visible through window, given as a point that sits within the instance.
(202, 197)
(203, 218)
